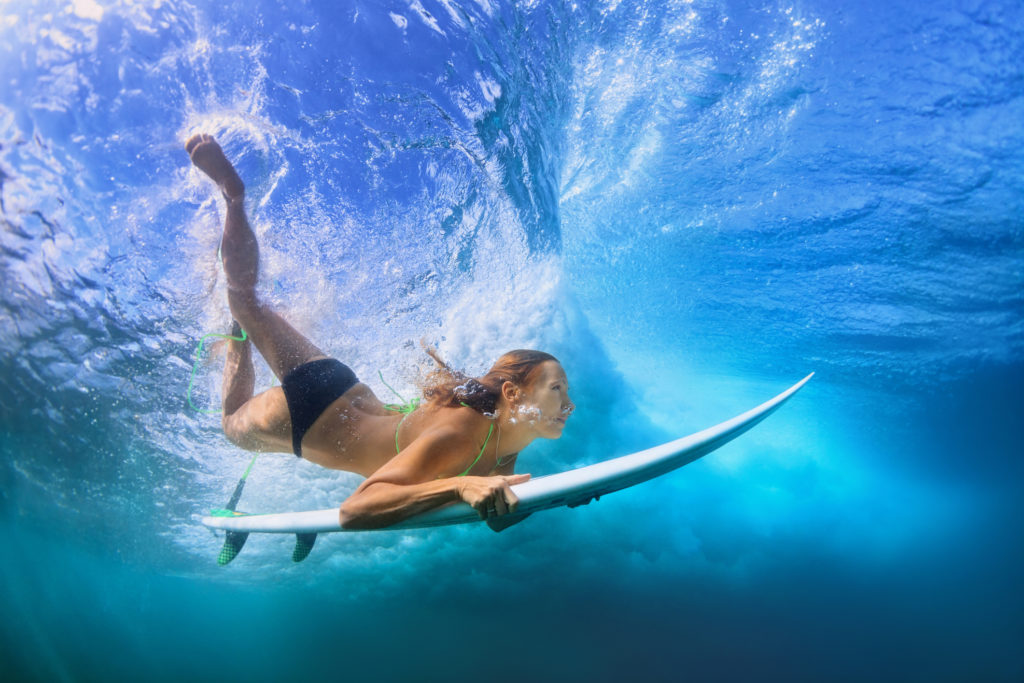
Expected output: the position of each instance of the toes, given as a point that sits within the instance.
(209, 158)
(193, 142)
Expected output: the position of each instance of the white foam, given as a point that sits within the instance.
(87, 9)
(401, 22)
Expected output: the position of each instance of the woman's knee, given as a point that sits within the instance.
(261, 424)
(241, 432)
(233, 433)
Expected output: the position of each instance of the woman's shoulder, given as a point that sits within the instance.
(461, 420)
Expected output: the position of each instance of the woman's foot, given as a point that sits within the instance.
(209, 158)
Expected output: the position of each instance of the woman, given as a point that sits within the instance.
(459, 445)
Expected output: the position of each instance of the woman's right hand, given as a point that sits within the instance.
(490, 496)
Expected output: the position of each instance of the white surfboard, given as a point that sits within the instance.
(573, 487)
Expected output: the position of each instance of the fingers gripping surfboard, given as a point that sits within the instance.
(570, 488)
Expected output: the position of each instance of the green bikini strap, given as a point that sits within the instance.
(405, 407)
(408, 407)
(490, 430)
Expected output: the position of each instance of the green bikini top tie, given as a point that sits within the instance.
(408, 407)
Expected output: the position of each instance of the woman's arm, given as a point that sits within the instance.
(383, 504)
(408, 485)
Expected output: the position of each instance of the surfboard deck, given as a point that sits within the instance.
(573, 487)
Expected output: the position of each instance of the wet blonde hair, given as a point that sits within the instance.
(447, 387)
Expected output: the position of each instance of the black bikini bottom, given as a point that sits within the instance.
(309, 389)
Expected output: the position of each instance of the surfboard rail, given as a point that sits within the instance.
(572, 487)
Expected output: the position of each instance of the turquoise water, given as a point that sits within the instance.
(692, 204)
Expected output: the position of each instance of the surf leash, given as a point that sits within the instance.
(233, 540)
(195, 368)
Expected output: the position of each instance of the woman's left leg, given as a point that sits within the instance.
(255, 423)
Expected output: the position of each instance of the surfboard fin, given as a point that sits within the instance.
(303, 545)
(233, 542)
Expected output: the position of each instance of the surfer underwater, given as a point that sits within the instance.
(458, 443)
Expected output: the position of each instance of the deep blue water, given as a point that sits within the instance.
(692, 204)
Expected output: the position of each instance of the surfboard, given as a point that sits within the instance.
(571, 488)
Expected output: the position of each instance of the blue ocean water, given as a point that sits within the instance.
(691, 203)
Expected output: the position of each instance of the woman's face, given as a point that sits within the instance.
(545, 404)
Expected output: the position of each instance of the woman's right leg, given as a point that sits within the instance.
(281, 345)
